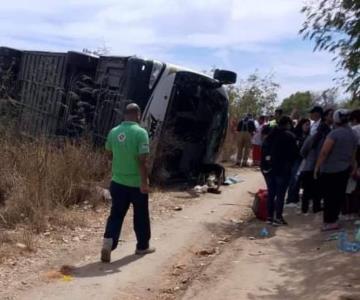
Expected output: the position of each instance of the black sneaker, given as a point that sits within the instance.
(269, 221)
(280, 222)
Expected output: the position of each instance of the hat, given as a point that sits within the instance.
(317, 109)
(341, 116)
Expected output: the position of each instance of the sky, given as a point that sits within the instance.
(239, 35)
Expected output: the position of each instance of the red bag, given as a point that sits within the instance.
(260, 204)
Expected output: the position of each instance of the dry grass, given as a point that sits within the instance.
(229, 147)
(38, 177)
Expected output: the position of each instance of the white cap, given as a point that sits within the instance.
(341, 116)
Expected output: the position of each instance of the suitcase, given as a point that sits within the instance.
(260, 204)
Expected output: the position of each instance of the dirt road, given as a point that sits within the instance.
(212, 250)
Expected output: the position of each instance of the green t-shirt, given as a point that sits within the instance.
(273, 123)
(126, 142)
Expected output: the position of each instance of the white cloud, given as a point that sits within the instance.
(232, 31)
(202, 23)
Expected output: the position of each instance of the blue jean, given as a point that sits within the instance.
(277, 186)
(294, 184)
(122, 197)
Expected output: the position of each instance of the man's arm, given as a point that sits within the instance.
(108, 146)
(324, 153)
(144, 173)
(305, 149)
(143, 152)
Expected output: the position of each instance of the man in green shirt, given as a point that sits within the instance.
(129, 145)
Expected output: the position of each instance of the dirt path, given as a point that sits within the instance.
(212, 250)
(175, 238)
(295, 262)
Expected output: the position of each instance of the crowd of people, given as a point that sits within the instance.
(310, 161)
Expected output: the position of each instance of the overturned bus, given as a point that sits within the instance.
(184, 111)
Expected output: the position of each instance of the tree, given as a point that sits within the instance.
(256, 95)
(303, 101)
(326, 98)
(335, 27)
(348, 104)
(300, 101)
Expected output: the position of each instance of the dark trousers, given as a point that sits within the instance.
(277, 186)
(294, 184)
(333, 189)
(122, 197)
(311, 191)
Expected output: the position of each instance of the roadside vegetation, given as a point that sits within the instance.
(41, 180)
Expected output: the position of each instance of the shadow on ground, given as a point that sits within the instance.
(98, 269)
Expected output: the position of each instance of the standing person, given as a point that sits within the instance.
(245, 129)
(316, 114)
(355, 122)
(257, 141)
(336, 161)
(279, 152)
(301, 131)
(129, 145)
(310, 152)
(352, 202)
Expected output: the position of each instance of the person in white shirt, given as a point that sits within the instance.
(316, 114)
(257, 141)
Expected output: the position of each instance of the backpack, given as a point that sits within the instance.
(260, 204)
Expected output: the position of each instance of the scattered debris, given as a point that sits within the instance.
(180, 267)
(223, 240)
(201, 189)
(237, 221)
(67, 270)
(252, 238)
(67, 278)
(21, 246)
(333, 237)
(260, 253)
(52, 275)
(214, 191)
(206, 252)
(185, 281)
(233, 180)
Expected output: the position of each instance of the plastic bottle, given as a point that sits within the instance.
(357, 235)
(352, 247)
(264, 232)
(342, 241)
(346, 246)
